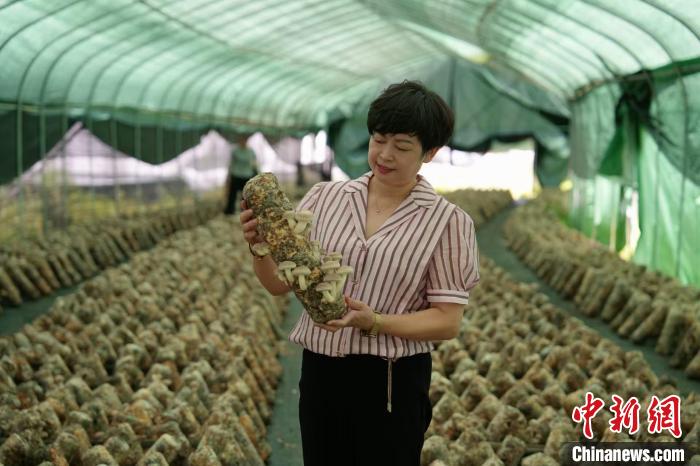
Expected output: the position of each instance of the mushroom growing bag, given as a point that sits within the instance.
(316, 278)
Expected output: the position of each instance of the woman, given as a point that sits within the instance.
(243, 167)
(365, 377)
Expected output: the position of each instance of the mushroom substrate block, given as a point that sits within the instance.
(317, 278)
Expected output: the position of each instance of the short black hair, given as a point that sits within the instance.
(411, 108)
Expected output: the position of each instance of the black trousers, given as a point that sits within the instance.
(235, 186)
(343, 410)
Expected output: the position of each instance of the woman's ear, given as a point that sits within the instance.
(430, 154)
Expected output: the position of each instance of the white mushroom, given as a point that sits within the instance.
(333, 257)
(290, 217)
(327, 290)
(330, 266)
(303, 220)
(316, 248)
(286, 267)
(301, 272)
(344, 271)
(334, 279)
(261, 249)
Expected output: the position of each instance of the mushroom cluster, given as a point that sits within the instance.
(299, 222)
(480, 204)
(318, 279)
(638, 303)
(334, 278)
(170, 358)
(503, 391)
(38, 266)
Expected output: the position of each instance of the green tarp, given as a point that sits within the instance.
(669, 215)
(598, 81)
(646, 139)
(486, 107)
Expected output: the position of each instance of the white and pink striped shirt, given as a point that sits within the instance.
(425, 252)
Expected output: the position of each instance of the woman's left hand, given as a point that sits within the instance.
(359, 315)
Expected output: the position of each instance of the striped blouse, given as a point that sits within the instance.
(424, 253)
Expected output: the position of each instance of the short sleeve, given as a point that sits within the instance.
(308, 202)
(453, 269)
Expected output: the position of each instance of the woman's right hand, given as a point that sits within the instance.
(249, 224)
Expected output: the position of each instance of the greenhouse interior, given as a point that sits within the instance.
(134, 327)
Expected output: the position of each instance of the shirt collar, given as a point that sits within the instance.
(423, 193)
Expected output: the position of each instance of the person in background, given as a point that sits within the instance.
(243, 167)
(365, 376)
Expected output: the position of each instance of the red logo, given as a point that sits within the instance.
(587, 412)
(626, 415)
(665, 415)
(662, 415)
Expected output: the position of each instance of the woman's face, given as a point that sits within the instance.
(395, 159)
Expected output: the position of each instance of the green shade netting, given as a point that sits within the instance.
(484, 111)
(564, 45)
(592, 129)
(592, 201)
(486, 107)
(33, 147)
(669, 221)
(349, 139)
(672, 178)
(606, 121)
(551, 163)
(149, 76)
(150, 144)
(653, 150)
(675, 113)
(285, 63)
(303, 64)
(231, 62)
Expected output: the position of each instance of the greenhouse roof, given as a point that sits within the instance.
(301, 64)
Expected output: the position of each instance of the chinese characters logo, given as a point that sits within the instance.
(661, 415)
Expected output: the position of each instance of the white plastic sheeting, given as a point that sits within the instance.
(82, 159)
(204, 167)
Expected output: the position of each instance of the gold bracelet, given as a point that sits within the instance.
(376, 324)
